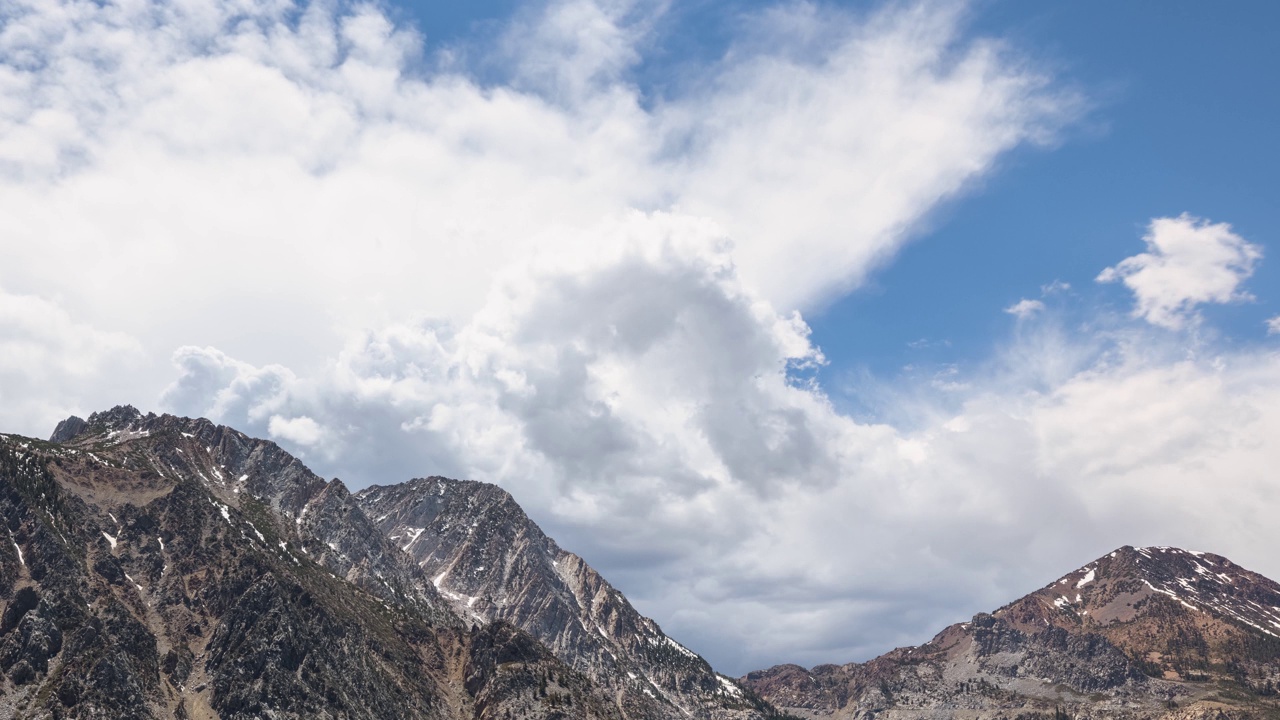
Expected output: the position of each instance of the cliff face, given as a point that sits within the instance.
(160, 567)
(487, 557)
(1141, 632)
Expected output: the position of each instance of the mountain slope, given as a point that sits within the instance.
(160, 567)
(1141, 632)
(494, 563)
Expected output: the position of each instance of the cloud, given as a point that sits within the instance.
(50, 361)
(319, 161)
(536, 274)
(1189, 262)
(1273, 325)
(1025, 308)
(300, 430)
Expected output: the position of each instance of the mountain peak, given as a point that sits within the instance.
(120, 416)
(1130, 582)
(164, 513)
(1134, 633)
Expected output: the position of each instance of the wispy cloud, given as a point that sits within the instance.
(1025, 308)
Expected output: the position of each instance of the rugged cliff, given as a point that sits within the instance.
(160, 567)
(484, 554)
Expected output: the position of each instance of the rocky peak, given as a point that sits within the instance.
(118, 417)
(68, 429)
(1134, 633)
(1133, 583)
(494, 563)
(145, 577)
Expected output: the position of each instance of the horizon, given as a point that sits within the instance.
(812, 326)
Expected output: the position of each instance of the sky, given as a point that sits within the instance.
(815, 327)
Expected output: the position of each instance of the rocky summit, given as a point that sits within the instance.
(165, 567)
(495, 564)
(1139, 633)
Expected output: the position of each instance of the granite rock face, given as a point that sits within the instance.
(492, 562)
(1139, 633)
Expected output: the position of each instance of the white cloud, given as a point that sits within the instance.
(1025, 308)
(50, 363)
(229, 156)
(1189, 262)
(300, 430)
(639, 403)
(1273, 325)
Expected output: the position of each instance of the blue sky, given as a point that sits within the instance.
(1181, 123)
(719, 291)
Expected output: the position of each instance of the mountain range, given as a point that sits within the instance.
(167, 567)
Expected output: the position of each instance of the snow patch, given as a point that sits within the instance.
(111, 539)
(414, 533)
(1088, 578)
(729, 687)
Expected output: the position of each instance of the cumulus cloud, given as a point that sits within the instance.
(299, 430)
(1025, 308)
(1273, 325)
(1189, 262)
(316, 160)
(658, 425)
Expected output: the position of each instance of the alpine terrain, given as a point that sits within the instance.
(1138, 633)
(165, 567)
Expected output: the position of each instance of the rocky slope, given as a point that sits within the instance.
(163, 567)
(160, 567)
(485, 555)
(1139, 633)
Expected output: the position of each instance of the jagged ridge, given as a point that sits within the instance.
(161, 567)
(485, 554)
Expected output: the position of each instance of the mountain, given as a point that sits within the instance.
(161, 567)
(1138, 633)
(485, 555)
(166, 567)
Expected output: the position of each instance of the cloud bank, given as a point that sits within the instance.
(544, 276)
